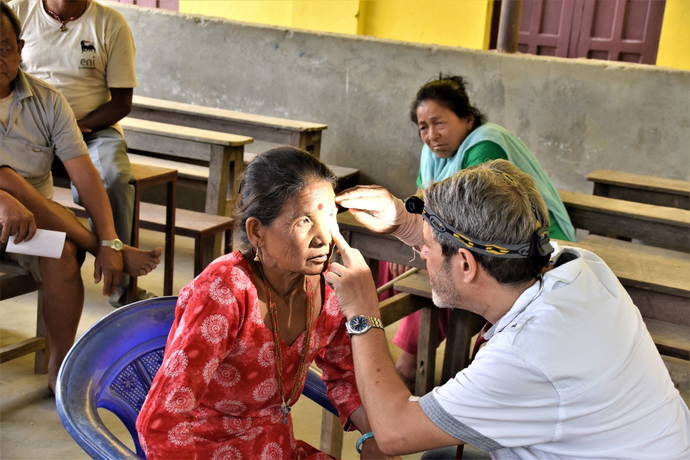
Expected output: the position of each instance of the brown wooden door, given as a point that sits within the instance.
(620, 30)
(615, 30)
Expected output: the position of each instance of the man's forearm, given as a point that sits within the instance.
(118, 107)
(381, 389)
(103, 117)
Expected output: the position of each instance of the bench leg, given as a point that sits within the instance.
(42, 355)
(331, 434)
(461, 327)
(426, 351)
(134, 241)
(204, 252)
(169, 239)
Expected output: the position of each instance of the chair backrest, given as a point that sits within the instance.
(112, 366)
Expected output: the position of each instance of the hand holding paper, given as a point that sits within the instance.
(45, 243)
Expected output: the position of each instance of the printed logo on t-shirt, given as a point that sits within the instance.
(88, 55)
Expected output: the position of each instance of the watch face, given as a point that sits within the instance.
(358, 323)
(117, 245)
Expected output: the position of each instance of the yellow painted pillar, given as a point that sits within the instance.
(674, 43)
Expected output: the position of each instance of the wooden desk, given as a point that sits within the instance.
(643, 189)
(302, 134)
(655, 225)
(223, 152)
(149, 176)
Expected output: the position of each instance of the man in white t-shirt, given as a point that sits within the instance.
(569, 370)
(85, 49)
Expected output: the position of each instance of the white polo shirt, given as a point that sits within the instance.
(95, 53)
(569, 372)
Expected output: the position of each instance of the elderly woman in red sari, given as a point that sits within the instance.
(248, 327)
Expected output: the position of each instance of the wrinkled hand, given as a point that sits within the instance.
(15, 219)
(352, 281)
(374, 207)
(109, 266)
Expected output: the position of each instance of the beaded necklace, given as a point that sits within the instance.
(302, 368)
(57, 17)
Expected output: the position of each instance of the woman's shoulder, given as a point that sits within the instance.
(226, 279)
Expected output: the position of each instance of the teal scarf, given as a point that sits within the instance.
(435, 169)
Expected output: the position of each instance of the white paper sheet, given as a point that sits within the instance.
(45, 243)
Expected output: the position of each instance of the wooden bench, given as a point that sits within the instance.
(15, 281)
(346, 177)
(655, 225)
(203, 228)
(640, 188)
(224, 153)
(302, 134)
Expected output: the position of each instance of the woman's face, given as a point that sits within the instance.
(299, 239)
(441, 129)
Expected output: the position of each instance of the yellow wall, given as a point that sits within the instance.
(444, 22)
(674, 43)
(464, 23)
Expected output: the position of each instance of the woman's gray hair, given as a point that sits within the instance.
(494, 202)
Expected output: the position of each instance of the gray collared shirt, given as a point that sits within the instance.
(41, 124)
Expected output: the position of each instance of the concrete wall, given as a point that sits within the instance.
(576, 116)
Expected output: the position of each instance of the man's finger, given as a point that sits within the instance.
(107, 282)
(32, 230)
(97, 273)
(5, 233)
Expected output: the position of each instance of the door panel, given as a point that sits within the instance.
(617, 30)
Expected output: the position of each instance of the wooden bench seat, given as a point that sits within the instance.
(302, 134)
(15, 281)
(346, 177)
(655, 190)
(202, 227)
(655, 225)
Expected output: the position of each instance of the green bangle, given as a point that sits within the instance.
(361, 441)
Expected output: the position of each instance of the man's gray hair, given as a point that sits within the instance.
(493, 202)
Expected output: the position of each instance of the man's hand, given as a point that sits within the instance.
(83, 128)
(108, 266)
(353, 283)
(15, 219)
(374, 207)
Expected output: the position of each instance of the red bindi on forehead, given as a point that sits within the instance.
(320, 206)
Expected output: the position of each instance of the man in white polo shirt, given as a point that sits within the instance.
(569, 369)
(85, 49)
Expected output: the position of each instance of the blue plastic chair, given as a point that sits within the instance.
(112, 365)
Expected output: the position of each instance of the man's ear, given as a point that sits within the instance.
(467, 265)
(255, 231)
(20, 46)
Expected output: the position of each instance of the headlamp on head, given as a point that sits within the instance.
(539, 243)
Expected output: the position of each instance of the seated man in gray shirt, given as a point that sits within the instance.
(36, 123)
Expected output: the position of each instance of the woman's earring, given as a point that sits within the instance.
(257, 258)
